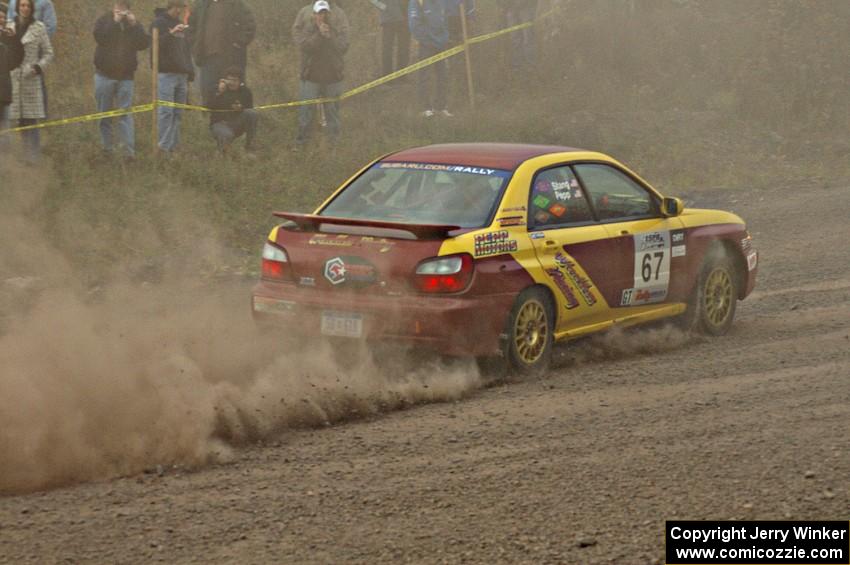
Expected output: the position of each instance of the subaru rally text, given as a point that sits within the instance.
(497, 251)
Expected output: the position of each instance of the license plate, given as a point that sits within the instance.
(342, 324)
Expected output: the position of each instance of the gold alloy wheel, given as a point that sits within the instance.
(718, 296)
(531, 332)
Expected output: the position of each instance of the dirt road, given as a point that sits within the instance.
(583, 466)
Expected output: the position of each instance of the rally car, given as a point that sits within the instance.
(499, 250)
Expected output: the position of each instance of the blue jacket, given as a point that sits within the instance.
(44, 12)
(429, 22)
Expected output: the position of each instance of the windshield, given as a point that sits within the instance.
(420, 193)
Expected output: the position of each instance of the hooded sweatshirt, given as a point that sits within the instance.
(175, 54)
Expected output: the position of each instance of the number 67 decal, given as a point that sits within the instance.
(651, 269)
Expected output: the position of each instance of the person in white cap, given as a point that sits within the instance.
(321, 32)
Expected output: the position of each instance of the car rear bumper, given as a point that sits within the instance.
(457, 325)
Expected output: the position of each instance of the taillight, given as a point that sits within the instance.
(445, 274)
(275, 263)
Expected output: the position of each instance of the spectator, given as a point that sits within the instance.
(241, 119)
(27, 80)
(454, 20)
(44, 12)
(322, 35)
(119, 35)
(11, 54)
(515, 12)
(176, 70)
(395, 34)
(220, 32)
(429, 27)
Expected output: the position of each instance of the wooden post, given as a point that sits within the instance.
(155, 91)
(469, 83)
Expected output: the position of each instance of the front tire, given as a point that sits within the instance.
(711, 310)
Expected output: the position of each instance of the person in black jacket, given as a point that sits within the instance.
(241, 119)
(11, 55)
(119, 35)
(175, 70)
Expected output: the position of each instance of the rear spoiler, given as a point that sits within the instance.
(309, 222)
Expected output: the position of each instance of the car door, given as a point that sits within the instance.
(647, 248)
(571, 247)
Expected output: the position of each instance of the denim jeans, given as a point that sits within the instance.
(112, 94)
(173, 87)
(227, 130)
(433, 81)
(395, 40)
(309, 91)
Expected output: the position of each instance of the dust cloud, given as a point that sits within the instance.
(106, 382)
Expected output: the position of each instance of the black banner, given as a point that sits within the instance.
(758, 543)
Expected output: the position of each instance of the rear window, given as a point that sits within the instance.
(422, 193)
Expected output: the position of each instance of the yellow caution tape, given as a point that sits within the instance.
(359, 90)
(87, 118)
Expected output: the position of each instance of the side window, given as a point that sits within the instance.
(614, 194)
(557, 199)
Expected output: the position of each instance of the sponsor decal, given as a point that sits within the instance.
(537, 235)
(349, 269)
(515, 209)
(558, 210)
(650, 241)
(307, 281)
(541, 201)
(335, 271)
(570, 300)
(678, 236)
(752, 260)
(494, 243)
(563, 190)
(746, 244)
(385, 244)
(582, 283)
(328, 241)
(638, 297)
(542, 186)
(542, 217)
(446, 168)
(679, 251)
(512, 221)
(574, 183)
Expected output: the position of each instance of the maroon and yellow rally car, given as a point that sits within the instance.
(497, 251)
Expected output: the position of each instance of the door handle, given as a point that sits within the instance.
(550, 246)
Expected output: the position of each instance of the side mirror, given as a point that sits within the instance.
(672, 207)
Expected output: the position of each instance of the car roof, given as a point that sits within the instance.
(505, 156)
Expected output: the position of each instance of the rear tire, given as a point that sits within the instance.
(711, 309)
(530, 332)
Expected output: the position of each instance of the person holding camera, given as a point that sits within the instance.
(28, 100)
(11, 55)
(220, 32)
(322, 35)
(176, 70)
(119, 36)
(233, 112)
